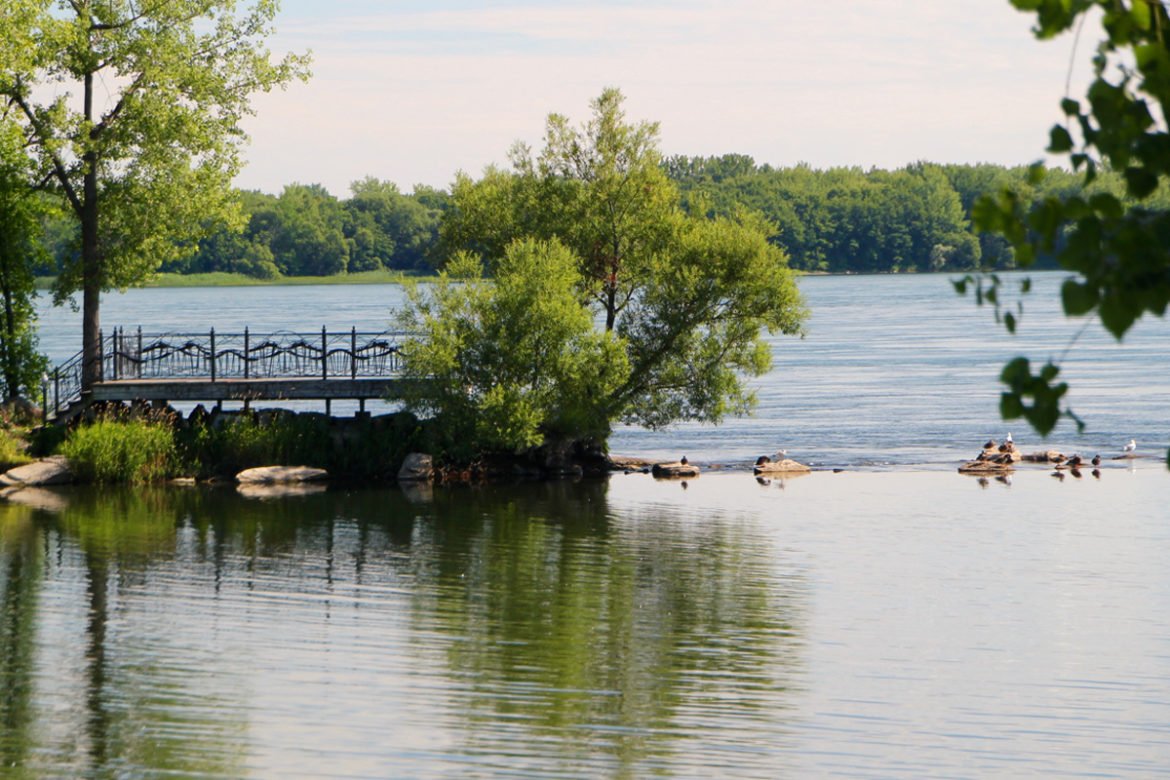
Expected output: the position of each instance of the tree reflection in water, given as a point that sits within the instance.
(568, 632)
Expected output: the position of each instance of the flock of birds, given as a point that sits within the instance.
(1074, 462)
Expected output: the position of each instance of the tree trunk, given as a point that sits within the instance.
(91, 276)
(11, 372)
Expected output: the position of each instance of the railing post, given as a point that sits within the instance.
(44, 400)
(324, 354)
(138, 365)
(115, 349)
(353, 353)
(212, 338)
(101, 372)
(246, 352)
(56, 391)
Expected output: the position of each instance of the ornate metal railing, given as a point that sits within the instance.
(229, 356)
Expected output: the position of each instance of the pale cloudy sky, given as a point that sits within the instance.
(414, 90)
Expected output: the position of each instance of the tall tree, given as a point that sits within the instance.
(688, 296)
(133, 109)
(1118, 250)
(20, 251)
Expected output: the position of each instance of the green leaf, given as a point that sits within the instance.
(1140, 182)
(1078, 298)
(1059, 140)
(1009, 322)
(1141, 14)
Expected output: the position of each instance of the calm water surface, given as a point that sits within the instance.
(903, 624)
(895, 620)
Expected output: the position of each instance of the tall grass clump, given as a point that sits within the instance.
(255, 440)
(133, 451)
(11, 451)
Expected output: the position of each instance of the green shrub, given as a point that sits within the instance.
(132, 451)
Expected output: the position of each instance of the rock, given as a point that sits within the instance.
(676, 470)
(623, 463)
(786, 466)
(1048, 456)
(271, 475)
(50, 471)
(987, 466)
(418, 467)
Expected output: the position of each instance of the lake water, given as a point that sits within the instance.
(894, 620)
(894, 370)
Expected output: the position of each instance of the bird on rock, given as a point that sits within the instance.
(683, 460)
(1129, 448)
(1096, 461)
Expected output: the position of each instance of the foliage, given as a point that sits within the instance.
(686, 296)
(21, 365)
(306, 231)
(12, 450)
(506, 363)
(249, 440)
(1115, 240)
(133, 111)
(109, 450)
(373, 449)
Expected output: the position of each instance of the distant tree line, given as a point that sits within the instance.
(851, 220)
(306, 231)
(837, 220)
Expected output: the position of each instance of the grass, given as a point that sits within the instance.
(220, 279)
(134, 451)
(12, 451)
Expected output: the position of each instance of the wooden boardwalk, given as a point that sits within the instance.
(217, 367)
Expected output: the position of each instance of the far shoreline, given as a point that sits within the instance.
(224, 279)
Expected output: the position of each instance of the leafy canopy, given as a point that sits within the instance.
(505, 363)
(687, 296)
(1118, 249)
(132, 109)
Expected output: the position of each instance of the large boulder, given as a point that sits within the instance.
(676, 470)
(50, 471)
(273, 475)
(786, 466)
(418, 467)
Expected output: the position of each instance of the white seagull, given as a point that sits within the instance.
(1008, 440)
(1129, 448)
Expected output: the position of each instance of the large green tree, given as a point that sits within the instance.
(132, 109)
(688, 296)
(21, 211)
(1117, 247)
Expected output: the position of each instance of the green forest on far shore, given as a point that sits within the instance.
(836, 220)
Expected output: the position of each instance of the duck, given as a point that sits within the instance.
(1096, 461)
(683, 460)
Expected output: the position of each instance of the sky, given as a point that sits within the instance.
(413, 91)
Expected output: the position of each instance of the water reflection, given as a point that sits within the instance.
(528, 629)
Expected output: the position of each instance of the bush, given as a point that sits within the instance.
(134, 451)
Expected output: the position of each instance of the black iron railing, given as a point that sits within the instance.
(215, 356)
